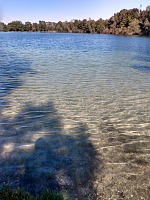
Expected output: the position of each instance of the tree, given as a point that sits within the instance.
(50, 26)
(28, 26)
(148, 9)
(15, 26)
(126, 22)
(34, 27)
(100, 26)
(59, 27)
(42, 26)
(146, 27)
(135, 27)
(3, 27)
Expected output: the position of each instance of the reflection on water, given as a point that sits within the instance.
(71, 99)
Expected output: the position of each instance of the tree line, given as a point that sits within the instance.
(125, 22)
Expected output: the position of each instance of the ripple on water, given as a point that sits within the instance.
(66, 96)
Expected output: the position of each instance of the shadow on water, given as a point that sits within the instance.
(11, 68)
(142, 59)
(145, 59)
(141, 64)
(142, 68)
(37, 153)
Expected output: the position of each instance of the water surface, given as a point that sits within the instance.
(67, 86)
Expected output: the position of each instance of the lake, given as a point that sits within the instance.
(74, 103)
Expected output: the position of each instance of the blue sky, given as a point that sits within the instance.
(55, 10)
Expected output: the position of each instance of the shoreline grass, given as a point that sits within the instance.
(8, 193)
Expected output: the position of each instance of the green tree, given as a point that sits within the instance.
(100, 26)
(59, 27)
(134, 27)
(146, 27)
(3, 27)
(34, 27)
(42, 26)
(51, 26)
(28, 26)
(15, 26)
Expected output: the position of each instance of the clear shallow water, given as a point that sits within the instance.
(87, 77)
(61, 83)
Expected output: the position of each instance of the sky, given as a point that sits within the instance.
(63, 10)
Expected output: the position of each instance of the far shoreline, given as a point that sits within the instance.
(54, 32)
(132, 22)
